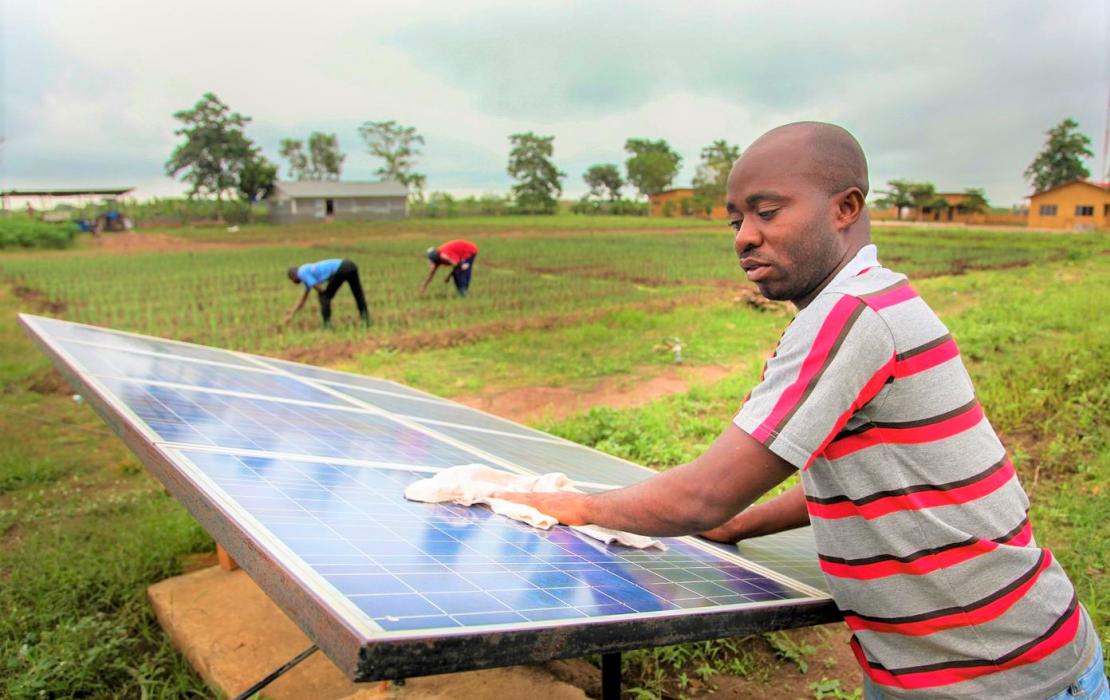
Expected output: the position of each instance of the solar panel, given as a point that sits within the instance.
(299, 473)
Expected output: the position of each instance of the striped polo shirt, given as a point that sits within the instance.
(921, 525)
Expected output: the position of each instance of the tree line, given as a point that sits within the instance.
(216, 157)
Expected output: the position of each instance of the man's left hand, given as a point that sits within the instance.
(569, 508)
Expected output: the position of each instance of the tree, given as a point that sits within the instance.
(897, 196)
(975, 203)
(653, 165)
(1061, 159)
(539, 181)
(256, 179)
(604, 180)
(215, 149)
(711, 179)
(398, 146)
(324, 156)
(924, 196)
(292, 150)
(322, 161)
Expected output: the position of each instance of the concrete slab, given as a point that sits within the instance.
(233, 635)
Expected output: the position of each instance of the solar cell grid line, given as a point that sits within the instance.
(124, 364)
(133, 341)
(439, 592)
(481, 454)
(323, 538)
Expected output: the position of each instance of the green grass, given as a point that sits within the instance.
(84, 529)
(17, 231)
(1038, 348)
(236, 298)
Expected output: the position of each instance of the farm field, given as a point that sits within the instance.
(563, 303)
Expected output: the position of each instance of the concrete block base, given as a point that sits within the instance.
(233, 635)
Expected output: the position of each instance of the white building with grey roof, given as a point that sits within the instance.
(326, 200)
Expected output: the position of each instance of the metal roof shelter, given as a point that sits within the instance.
(83, 196)
(299, 471)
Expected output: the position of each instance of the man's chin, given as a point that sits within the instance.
(771, 292)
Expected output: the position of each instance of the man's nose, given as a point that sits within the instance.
(747, 236)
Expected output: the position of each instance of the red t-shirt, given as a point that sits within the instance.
(457, 251)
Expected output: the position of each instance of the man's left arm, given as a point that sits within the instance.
(692, 498)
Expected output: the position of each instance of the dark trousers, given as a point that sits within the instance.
(461, 274)
(347, 272)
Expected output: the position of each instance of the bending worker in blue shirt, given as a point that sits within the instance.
(326, 277)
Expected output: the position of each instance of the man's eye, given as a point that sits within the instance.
(768, 214)
(735, 224)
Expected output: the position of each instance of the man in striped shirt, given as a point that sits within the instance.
(921, 525)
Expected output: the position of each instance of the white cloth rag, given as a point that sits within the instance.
(468, 484)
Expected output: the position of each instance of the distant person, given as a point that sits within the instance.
(922, 527)
(460, 255)
(326, 277)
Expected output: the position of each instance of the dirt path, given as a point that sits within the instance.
(532, 403)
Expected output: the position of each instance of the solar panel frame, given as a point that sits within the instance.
(367, 654)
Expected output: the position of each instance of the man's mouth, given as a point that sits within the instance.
(755, 269)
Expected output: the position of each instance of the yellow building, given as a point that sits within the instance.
(680, 202)
(1074, 205)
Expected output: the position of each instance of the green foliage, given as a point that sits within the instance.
(159, 211)
(711, 179)
(293, 151)
(1061, 159)
(85, 530)
(620, 207)
(653, 165)
(17, 231)
(443, 205)
(605, 181)
(976, 201)
(830, 689)
(919, 196)
(215, 148)
(256, 180)
(539, 182)
(398, 146)
(790, 649)
(321, 161)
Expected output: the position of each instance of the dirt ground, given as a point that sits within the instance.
(528, 404)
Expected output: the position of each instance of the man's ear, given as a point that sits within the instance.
(850, 206)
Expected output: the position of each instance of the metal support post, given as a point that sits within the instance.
(611, 676)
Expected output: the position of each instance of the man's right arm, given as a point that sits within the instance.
(297, 307)
(428, 279)
(783, 512)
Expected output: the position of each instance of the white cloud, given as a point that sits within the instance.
(955, 92)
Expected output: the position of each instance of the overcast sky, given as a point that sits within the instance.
(958, 93)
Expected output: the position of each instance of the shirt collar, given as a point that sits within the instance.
(868, 256)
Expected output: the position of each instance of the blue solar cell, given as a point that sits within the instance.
(539, 457)
(443, 411)
(267, 436)
(413, 565)
(123, 341)
(199, 417)
(143, 367)
(344, 378)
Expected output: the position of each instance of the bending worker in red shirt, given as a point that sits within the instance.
(460, 255)
(922, 527)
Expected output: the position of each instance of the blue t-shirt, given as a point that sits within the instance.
(312, 274)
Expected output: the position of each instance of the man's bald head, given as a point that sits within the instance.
(825, 152)
(796, 200)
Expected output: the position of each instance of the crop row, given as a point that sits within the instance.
(236, 297)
